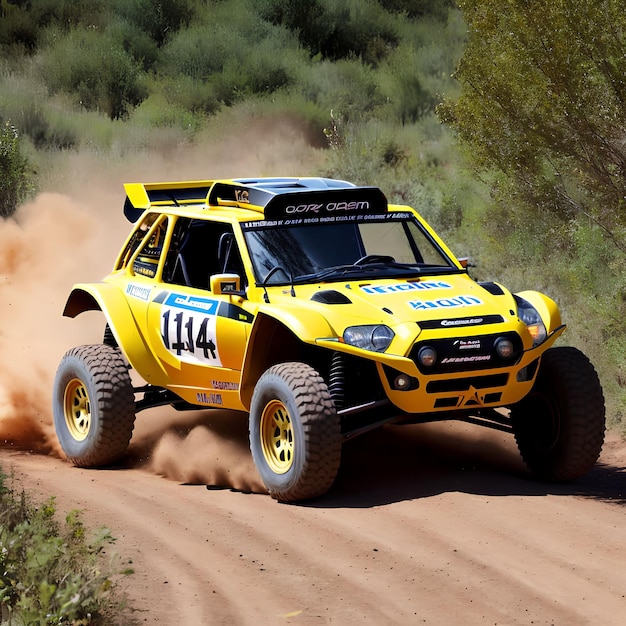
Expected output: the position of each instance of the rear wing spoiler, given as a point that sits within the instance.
(141, 196)
(275, 198)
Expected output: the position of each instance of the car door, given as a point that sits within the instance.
(199, 336)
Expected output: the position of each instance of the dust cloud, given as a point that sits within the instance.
(61, 238)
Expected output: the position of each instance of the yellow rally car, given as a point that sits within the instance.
(323, 312)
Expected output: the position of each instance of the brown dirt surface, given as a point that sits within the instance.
(435, 524)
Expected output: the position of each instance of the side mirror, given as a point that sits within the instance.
(226, 284)
(465, 262)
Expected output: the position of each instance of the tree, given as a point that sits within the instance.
(543, 101)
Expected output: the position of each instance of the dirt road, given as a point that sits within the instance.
(433, 525)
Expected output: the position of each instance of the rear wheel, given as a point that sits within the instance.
(295, 433)
(93, 405)
(559, 427)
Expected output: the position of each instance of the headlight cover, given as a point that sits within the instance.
(530, 316)
(375, 337)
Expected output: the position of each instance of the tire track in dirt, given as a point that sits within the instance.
(424, 525)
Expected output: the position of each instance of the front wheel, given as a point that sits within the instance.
(295, 432)
(93, 405)
(559, 427)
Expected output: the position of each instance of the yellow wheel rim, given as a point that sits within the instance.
(277, 437)
(77, 409)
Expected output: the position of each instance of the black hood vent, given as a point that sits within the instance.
(493, 288)
(330, 296)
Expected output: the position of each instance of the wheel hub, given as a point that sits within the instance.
(77, 409)
(277, 437)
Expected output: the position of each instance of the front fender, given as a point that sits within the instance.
(275, 337)
(111, 301)
(305, 323)
(546, 307)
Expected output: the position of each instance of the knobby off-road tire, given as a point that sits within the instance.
(295, 433)
(93, 405)
(559, 427)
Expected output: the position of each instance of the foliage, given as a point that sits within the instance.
(419, 8)
(359, 28)
(544, 101)
(14, 176)
(233, 62)
(51, 573)
(23, 21)
(542, 113)
(99, 73)
(157, 18)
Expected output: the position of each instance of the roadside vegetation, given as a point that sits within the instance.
(52, 573)
(502, 122)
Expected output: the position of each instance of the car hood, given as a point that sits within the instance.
(393, 301)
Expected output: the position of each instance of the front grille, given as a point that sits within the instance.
(446, 403)
(463, 384)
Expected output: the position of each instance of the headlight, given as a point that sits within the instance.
(529, 315)
(376, 338)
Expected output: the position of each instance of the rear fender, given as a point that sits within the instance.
(110, 300)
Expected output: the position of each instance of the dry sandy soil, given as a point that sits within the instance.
(429, 524)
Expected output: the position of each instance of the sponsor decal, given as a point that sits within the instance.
(466, 359)
(224, 385)
(328, 207)
(398, 287)
(144, 271)
(192, 303)
(467, 344)
(445, 303)
(138, 291)
(464, 322)
(242, 195)
(209, 398)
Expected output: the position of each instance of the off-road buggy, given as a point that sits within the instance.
(323, 312)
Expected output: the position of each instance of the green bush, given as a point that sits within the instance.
(419, 8)
(157, 18)
(229, 60)
(18, 31)
(51, 573)
(96, 70)
(138, 44)
(356, 28)
(198, 53)
(348, 88)
(15, 182)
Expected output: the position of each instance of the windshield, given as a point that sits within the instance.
(302, 250)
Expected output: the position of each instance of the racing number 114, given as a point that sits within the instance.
(184, 335)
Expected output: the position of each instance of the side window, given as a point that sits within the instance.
(146, 261)
(200, 249)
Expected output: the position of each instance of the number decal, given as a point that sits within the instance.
(188, 329)
(204, 342)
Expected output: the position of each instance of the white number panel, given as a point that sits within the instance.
(188, 328)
